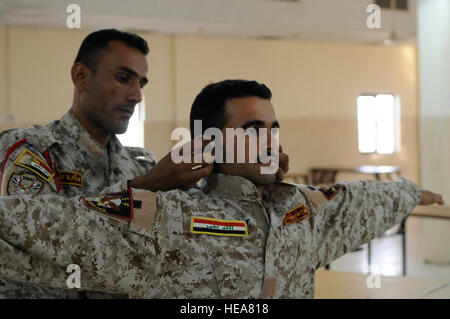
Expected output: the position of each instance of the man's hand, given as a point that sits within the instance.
(283, 165)
(167, 175)
(429, 198)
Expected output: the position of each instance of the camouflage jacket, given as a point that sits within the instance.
(63, 158)
(218, 242)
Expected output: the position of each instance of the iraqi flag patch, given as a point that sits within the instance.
(210, 226)
(33, 163)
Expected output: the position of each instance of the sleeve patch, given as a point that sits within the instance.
(33, 163)
(330, 191)
(118, 205)
(295, 215)
(24, 184)
(70, 178)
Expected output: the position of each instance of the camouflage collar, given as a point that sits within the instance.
(69, 129)
(69, 126)
(231, 185)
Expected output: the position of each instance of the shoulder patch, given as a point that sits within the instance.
(70, 178)
(5, 160)
(118, 205)
(330, 191)
(211, 226)
(296, 214)
(33, 163)
(24, 184)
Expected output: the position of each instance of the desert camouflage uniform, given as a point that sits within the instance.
(81, 167)
(159, 254)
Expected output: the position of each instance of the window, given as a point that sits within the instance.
(134, 136)
(378, 123)
(388, 4)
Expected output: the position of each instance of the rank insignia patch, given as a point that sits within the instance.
(24, 184)
(210, 226)
(330, 191)
(116, 205)
(70, 178)
(33, 163)
(296, 214)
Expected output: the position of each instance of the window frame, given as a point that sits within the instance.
(396, 124)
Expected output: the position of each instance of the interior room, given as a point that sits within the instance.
(360, 89)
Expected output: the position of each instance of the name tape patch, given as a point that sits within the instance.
(71, 178)
(210, 226)
(33, 163)
(295, 215)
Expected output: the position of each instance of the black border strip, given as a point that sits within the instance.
(219, 231)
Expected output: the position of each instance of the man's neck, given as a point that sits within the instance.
(96, 132)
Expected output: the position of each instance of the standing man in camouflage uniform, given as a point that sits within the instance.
(80, 154)
(242, 236)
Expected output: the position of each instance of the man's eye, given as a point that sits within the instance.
(122, 79)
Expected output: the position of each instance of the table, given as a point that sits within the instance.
(323, 175)
(298, 178)
(441, 293)
(433, 211)
(347, 285)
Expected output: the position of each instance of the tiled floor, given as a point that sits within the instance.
(387, 257)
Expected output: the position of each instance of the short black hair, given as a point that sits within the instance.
(209, 105)
(98, 41)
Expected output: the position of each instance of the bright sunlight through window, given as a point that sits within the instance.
(134, 136)
(378, 124)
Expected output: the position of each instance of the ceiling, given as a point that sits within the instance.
(305, 20)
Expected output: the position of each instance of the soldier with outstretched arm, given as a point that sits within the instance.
(241, 235)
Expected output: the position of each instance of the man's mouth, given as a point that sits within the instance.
(126, 110)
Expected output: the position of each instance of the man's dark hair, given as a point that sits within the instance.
(97, 42)
(209, 105)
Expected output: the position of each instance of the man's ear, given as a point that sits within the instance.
(80, 75)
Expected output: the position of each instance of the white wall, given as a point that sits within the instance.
(3, 83)
(434, 66)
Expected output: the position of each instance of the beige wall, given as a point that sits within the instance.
(3, 89)
(160, 99)
(314, 88)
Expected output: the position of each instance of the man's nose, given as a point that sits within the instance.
(135, 93)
